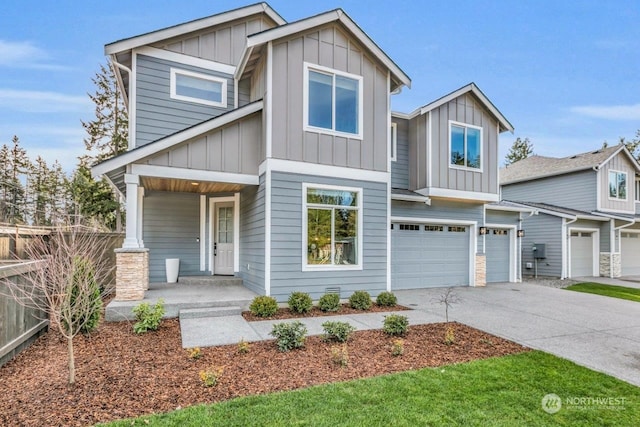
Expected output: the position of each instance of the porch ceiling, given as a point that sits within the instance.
(182, 185)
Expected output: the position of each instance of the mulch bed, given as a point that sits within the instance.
(121, 374)
(286, 313)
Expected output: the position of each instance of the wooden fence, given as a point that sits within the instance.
(19, 325)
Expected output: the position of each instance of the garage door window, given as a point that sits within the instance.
(333, 227)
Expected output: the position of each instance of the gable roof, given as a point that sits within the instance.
(473, 88)
(169, 141)
(536, 167)
(337, 15)
(195, 25)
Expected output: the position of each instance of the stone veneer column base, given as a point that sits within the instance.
(132, 273)
(608, 260)
(481, 270)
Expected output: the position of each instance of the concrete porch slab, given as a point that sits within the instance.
(212, 331)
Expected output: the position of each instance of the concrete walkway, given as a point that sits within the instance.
(598, 332)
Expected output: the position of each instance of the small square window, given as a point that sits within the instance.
(198, 88)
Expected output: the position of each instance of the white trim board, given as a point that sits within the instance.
(316, 169)
(194, 174)
(458, 194)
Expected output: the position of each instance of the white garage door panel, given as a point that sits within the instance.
(497, 245)
(630, 254)
(581, 254)
(423, 259)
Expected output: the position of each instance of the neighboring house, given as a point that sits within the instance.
(266, 150)
(587, 212)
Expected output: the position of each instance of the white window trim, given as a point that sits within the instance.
(305, 105)
(222, 81)
(636, 189)
(324, 267)
(467, 168)
(626, 180)
(394, 142)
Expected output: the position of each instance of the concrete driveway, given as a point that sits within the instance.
(598, 332)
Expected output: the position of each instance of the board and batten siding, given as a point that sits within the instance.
(235, 148)
(157, 114)
(441, 210)
(465, 109)
(171, 226)
(287, 240)
(547, 229)
(223, 43)
(252, 237)
(400, 167)
(575, 191)
(329, 47)
(418, 152)
(619, 163)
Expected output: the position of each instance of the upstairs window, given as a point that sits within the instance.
(333, 101)
(637, 190)
(333, 227)
(465, 145)
(199, 88)
(394, 142)
(617, 185)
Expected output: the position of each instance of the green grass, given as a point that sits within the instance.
(504, 391)
(622, 292)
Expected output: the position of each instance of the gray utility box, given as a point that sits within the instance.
(539, 250)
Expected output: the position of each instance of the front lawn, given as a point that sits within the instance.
(622, 292)
(503, 391)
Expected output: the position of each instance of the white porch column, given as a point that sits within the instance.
(131, 231)
(140, 215)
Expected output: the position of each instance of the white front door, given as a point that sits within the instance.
(223, 238)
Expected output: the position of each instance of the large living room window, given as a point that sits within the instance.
(332, 227)
(333, 101)
(617, 185)
(465, 143)
(199, 88)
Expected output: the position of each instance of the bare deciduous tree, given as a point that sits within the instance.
(72, 276)
(448, 298)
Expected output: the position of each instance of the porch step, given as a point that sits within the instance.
(197, 313)
(210, 280)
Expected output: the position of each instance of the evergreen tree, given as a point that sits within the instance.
(92, 199)
(15, 165)
(520, 149)
(38, 192)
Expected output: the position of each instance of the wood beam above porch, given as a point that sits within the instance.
(188, 186)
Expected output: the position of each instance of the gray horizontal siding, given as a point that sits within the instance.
(575, 191)
(545, 229)
(287, 240)
(502, 217)
(157, 114)
(400, 168)
(440, 209)
(252, 243)
(171, 226)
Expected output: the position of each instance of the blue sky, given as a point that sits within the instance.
(565, 73)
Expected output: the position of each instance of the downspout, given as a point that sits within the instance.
(126, 96)
(565, 240)
(520, 220)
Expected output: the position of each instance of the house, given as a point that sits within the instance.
(267, 150)
(587, 208)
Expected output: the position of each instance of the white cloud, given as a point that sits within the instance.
(609, 112)
(25, 54)
(42, 102)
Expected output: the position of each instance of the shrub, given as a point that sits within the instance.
(148, 319)
(210, 377)
(86, 295)
(243, 347)
(338, 331)
(263, 306)
(386, 299)
(397, 348)
(300, 302)
(395, 324)
(289, 335)
(449, 335)
(329, 302)
(340, 355)
(194, 353)
(360, 300)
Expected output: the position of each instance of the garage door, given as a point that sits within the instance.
(425, 256)
(581, 254)
(497, 244)
(630, 253)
